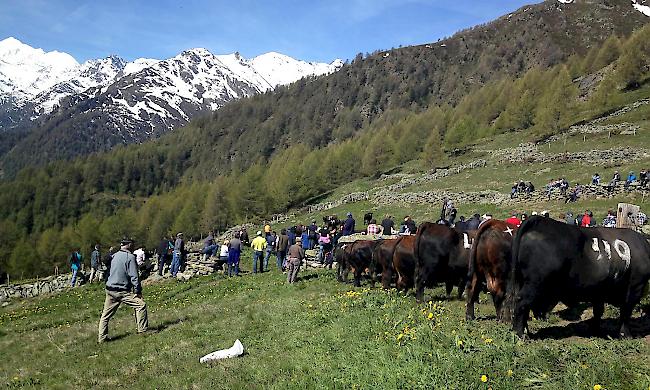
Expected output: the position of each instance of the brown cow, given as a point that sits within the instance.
(489, 262)
(383, 259)
(404, 263)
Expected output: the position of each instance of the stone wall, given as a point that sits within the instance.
(42, 286)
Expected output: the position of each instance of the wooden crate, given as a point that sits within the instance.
(626, 216)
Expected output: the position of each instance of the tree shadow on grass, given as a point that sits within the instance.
(640, 327)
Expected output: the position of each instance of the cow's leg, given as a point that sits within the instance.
(521, 313)
(633, 297)
(449, 287)
(357, 277)
(599, 309)
(461, 288)
(386, 277)
(473, 291)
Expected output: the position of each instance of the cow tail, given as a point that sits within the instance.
(512, 289)
(472, 257)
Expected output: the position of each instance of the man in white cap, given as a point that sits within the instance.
(258, 245)
(123, 286)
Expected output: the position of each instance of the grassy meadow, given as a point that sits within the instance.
(317, 333)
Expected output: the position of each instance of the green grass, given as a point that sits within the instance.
(315, 334)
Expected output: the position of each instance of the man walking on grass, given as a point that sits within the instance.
(123, 286)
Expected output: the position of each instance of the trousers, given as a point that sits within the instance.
(112, 303)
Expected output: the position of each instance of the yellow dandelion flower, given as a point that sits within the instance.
(484, 378)
(598, 387)
(400, 336)
(459, 343)
(509, 373)
(488, 340)
(430, 316)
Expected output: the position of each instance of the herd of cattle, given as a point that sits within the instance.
(533, 267)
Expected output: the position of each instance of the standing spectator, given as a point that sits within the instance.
(141, 261)
(75, 260)
(95, 262)
(165, 249)
(595, 179)
(610, 219)
(270, 249)
(123, 286)
(513, 220)
(234, 254)
(313, 236)
(373, 228)
(179, 252)
(281, 250)
(258, 245)
(296, 255)
(348, 225)
(643, 178)
(243, 236)
(388, 225)
(223, 255)
(325, 243)
(304, 238)
(107, 263)
(585, 221)
(291, 234)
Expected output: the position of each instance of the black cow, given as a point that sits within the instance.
(441, 255)
(367, 217)
(555, 262)
(356, 257)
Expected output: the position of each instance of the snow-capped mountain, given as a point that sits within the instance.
(100, 103)
(39, 80)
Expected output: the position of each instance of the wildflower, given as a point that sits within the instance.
(598, 387)
(509, 373)
(484, 378)
(488, 341)
(430, 316)
(459, 343)
(400, 336)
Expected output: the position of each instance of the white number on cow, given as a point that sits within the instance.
(621, 247)
(466, 242)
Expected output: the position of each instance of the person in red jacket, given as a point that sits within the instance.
(513, 220)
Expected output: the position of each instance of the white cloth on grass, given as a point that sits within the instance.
(236, 350)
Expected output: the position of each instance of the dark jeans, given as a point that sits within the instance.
(210, 250)
(162, 260)
(280, 259)
(269, 252)
(258, 256)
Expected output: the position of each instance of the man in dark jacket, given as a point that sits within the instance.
(281, 252)
(123, 286)
(164, 249)
(348, 226)
(95, 262)
(388, 225)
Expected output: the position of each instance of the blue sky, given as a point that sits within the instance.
(312, 30)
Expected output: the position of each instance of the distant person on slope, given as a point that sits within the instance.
(75, 260)
(281, 251)
(179, 252)
(258, 245)
(296, 255)
(348, 225)
(95, 263)
(123, 286)
(234, 253)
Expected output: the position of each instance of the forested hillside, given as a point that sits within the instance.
(526, 73)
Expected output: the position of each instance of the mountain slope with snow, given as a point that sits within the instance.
(102, 103)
